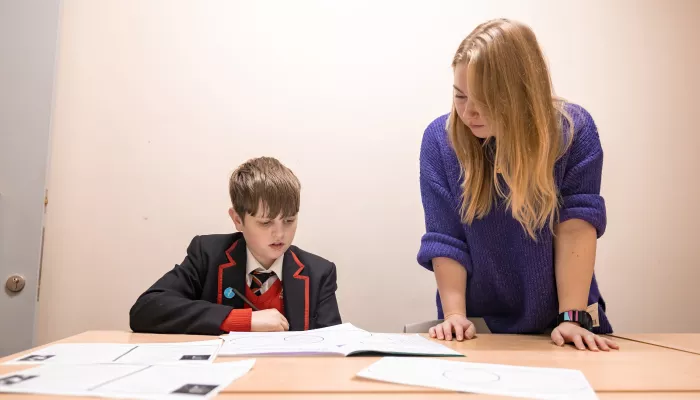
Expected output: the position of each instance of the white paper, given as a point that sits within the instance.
(322, 341)
(184, 381)
(276, 344)
(179, 353)
(102, 353)
(177, 381)
(339, 340)
(75, 353)
(63, 379)
(347, 327)
(393, 343)
(494, 379)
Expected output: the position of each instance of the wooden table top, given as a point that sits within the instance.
(638, 370)
(688, 342)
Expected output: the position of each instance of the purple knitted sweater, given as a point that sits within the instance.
(510, 277)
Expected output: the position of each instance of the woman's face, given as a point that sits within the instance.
(467, 110)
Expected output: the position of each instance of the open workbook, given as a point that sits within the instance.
(340, 340)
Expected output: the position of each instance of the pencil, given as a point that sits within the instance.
(239, 294)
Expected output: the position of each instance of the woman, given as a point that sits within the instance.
(510, 183)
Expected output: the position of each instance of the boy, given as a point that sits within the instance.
(210, 292)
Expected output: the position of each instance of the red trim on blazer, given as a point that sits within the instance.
(230, 263)
(306, 290)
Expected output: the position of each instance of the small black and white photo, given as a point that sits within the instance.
(36, 358)
(195, 389)
(195, 357)
(14, 379)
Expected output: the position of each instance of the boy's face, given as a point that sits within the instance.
(266, 238)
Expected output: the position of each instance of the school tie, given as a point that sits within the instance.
(257, 283)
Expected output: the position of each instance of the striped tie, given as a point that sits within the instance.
(257, 284)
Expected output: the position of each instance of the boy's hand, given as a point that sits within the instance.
(463, 328)
(569, 332)
(269, 320)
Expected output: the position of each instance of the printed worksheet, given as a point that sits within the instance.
(168, 381)
(103, 353)
(493, 379)
(178, 353)
(339, 340)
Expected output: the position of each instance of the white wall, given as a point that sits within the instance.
(158, 101)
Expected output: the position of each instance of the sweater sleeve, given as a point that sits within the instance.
(444, 236)
(580, 188)
(238, 320)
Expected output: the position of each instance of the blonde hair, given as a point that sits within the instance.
(264, 181)
(509, 83)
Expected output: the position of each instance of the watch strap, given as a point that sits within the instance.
(581, 317)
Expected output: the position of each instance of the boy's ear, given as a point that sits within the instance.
(237, 220)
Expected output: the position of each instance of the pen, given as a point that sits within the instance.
(239, 294)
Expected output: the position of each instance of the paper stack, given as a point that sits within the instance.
(130, 371)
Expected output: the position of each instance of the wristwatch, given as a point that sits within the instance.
(583, 318)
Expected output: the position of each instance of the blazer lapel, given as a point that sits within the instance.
(232, 274)
(295, 283)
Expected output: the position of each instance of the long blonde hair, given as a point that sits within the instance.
(509, 83)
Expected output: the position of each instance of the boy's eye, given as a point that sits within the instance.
(265, 223)
(289, 221)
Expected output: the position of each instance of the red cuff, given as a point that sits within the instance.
(238, 321)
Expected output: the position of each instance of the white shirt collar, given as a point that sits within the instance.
(252, 264)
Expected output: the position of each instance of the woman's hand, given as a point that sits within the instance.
(462, 327)
(569, 332)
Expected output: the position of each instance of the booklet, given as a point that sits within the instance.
(341, 340)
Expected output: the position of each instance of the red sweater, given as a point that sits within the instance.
(239, 320)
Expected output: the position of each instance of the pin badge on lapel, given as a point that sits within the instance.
(228, 293)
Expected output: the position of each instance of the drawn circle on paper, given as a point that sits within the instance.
(529, 382)
(471, 376)
(303, 339)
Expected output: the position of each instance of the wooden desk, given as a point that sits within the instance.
(635, 369)
(688, 342)
(396, 396)
(445, 396)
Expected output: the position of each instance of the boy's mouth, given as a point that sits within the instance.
(277, 246)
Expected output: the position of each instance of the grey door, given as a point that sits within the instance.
(28, 42)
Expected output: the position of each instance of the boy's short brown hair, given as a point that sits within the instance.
(265, 182)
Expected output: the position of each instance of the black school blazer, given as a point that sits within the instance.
(190, 298)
